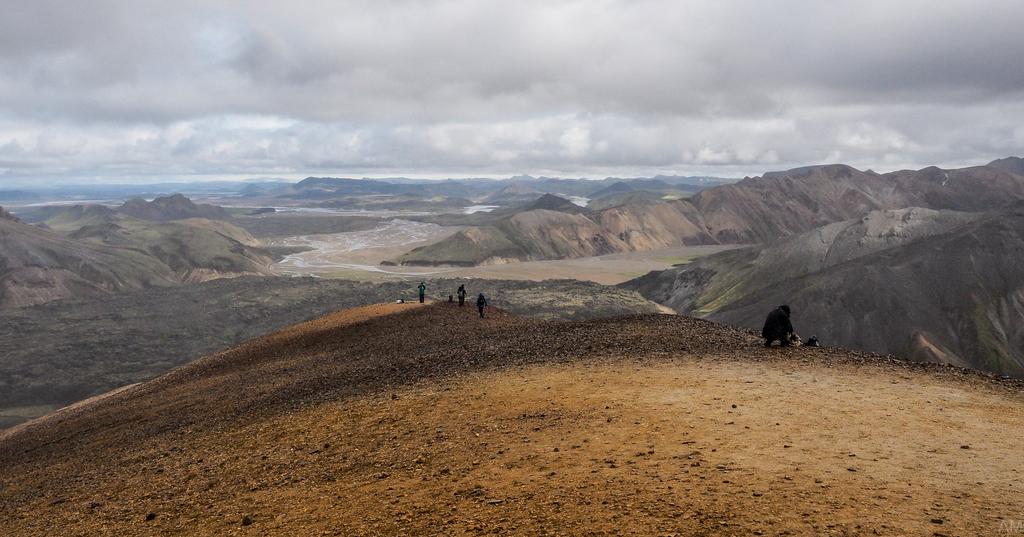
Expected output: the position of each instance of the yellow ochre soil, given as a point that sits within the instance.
(424, 420)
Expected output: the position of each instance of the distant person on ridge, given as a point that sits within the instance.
(481, 303)
(777, 327)
(462, 294)
(423, 291)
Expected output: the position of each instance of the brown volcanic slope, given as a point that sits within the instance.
(411, 420)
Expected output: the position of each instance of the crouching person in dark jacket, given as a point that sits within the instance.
(777, 327)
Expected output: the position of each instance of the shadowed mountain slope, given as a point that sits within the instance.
(936, 286)
(405, 419)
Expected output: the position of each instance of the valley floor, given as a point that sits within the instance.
(334, 257)
(649, 425)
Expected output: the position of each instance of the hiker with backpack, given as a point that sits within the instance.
(462, 294)
(423, 291)
(481, 303)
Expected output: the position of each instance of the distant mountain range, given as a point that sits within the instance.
(751, 211)
(515, 190)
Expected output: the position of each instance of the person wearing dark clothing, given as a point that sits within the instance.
(462, 294)
(423, 291)
(777, 327)
(481, 303)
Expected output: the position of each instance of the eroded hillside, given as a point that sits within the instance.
(752, 211)
(940, 286)
(91, 250)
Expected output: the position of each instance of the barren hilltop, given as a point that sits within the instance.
(408, 419)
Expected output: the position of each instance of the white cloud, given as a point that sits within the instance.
(575, 142)
(471, 87)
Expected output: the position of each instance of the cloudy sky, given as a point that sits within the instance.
(137, 90)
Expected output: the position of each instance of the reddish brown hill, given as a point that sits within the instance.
(402, 419)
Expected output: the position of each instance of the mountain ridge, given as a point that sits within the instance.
(753, 210)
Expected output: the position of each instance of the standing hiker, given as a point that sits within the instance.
(462, 294)
(481, 303)
(777, 327)
(423, 291)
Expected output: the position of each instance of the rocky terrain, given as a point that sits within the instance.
(62, 352)
(752, 211)
(939, 286)
(642, 425)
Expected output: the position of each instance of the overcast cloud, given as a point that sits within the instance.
(133, 90)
